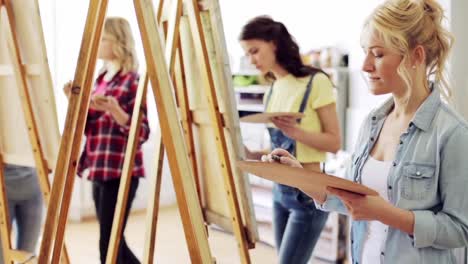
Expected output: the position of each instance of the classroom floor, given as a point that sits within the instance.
(82, 241)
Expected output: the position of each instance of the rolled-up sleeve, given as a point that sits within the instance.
(332, 204)
(448, 228)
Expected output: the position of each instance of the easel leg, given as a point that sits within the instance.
(174, 58)
(153, 204)
(186, 116)
(125, 180)
(74, 126)
(172, 134)
(79, 131)
(215, 115)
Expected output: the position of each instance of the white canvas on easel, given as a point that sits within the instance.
(16, 149)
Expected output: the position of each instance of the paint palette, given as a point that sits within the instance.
(307, 181)
(266, 117)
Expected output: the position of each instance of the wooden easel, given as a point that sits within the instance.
(170, 127)
(210, 64)
(195, 234)
(22, 70)
(173, 48)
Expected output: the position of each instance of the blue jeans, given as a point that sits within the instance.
(25, 206)
(297, 224)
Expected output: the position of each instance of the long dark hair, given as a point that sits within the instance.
(287, 51)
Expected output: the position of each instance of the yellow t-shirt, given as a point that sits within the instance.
(287, 96)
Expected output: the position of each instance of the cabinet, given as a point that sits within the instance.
(250, 98)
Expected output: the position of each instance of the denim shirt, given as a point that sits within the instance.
(429, 177)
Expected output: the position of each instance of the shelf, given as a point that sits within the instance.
(334, 74)
(250, 107)
(253, 89)
(335, 69)
(247, 72)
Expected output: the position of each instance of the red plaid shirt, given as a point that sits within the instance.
(106, 140)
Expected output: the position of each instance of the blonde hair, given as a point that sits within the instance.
(405, 24)
(124, 44)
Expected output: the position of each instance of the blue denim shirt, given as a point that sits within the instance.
(429, 176)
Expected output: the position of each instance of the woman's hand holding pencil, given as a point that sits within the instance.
(282, 156)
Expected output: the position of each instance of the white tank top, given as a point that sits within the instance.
(374, 175)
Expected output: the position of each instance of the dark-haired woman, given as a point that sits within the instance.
(296, 88)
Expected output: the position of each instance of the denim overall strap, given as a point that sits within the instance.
(267, 101)
(279, 139)
(306, 96)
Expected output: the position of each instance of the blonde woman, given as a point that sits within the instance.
(107, 129)
(412, 149)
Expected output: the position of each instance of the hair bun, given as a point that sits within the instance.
(433, 9)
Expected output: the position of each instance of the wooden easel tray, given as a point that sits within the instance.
(266, 117)
(308, 181)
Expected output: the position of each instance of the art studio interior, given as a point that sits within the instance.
(217, 131)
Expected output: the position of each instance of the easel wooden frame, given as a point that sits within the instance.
(171, 135)
(153, 202)
(220, 101)
(23, 70)
(173, 48)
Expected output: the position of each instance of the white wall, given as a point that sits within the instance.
(459, 69)
(314, 24)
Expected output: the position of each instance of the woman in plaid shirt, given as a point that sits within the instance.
(107, 130)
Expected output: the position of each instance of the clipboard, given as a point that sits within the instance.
(266, 117)
(308, 181)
